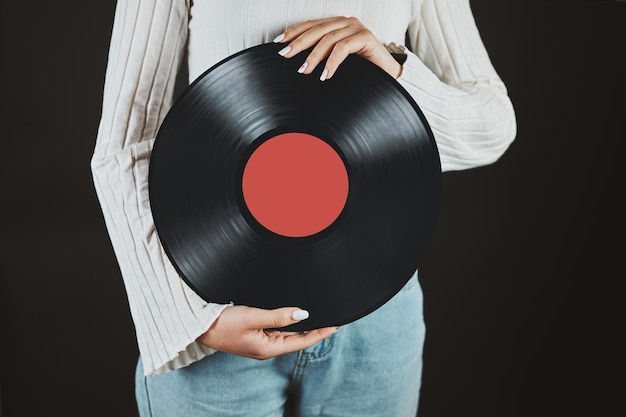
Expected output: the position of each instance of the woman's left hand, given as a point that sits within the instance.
(335, 38)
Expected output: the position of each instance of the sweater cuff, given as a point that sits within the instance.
(194, 351)
(425, 88)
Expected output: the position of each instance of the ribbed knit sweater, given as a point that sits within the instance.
(449, 75)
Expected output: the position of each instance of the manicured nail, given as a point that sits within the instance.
(284, 51)
(300, 315)
(279, 38)
(324, 74)
(303, 67)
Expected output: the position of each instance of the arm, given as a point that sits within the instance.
(147, 46)
(174, 326)
(452, 79)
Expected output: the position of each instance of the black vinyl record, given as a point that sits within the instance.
(362, 253)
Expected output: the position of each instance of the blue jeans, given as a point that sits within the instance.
(371, 367)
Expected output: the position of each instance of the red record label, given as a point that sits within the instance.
(295, 184)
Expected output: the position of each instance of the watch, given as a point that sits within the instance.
(398, 52)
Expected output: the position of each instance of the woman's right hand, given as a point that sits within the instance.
(240, 330)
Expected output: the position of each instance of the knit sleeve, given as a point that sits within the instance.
(453, 81)
(147, 45)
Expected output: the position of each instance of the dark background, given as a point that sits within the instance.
(523, 282)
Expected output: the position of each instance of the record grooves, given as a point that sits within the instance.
(347, 262)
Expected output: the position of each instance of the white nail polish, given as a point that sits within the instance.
(324, 74)
(279, 38)
(303, 67)
(300, 315)
(284, 51)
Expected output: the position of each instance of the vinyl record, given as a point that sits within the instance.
(271, 188)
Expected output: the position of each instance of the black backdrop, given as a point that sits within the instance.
(522, 283)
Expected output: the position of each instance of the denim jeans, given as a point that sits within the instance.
(371, 367)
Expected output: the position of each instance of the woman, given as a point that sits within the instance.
(200, 358)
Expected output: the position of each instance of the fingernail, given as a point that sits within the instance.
(303, 67)
(300, 315)
(324, 74)
(284, 51)
(279, 38)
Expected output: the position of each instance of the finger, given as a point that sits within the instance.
(312, 36)
(299, 341)
(350, 45)
(280, 333)
(296, 30)
(277, 318)
(339, 39)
